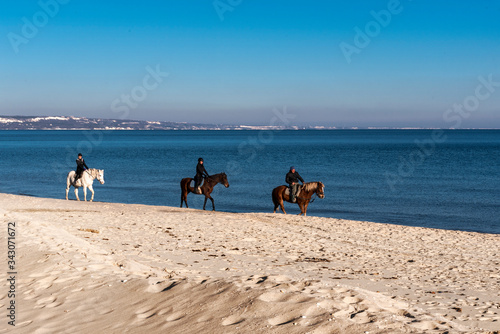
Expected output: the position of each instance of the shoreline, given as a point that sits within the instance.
(262, 212)
(261, 271)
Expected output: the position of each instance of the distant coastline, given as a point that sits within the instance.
(101, 124)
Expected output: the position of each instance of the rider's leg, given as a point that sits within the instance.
(295, 189)
(197, 184)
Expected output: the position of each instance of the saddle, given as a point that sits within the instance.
(287, 191)
(78, 182)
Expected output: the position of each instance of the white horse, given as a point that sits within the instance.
(84, 181)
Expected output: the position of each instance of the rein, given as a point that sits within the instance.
(87, 170)
(312, 199)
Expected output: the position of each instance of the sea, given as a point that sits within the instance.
(445, 179)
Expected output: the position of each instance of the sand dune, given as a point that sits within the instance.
(116, 268)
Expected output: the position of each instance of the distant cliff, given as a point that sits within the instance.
(83, 123)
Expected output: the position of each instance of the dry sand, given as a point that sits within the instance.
(118, 268)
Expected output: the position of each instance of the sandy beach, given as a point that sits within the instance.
(96, 267)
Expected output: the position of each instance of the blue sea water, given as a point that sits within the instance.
(407, 177)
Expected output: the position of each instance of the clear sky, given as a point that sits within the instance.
(232, 61)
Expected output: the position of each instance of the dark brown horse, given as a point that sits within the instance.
(303, 199)
(206, 188)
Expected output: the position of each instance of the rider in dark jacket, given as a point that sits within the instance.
(201, 172)
(80, 166)
(292, 178)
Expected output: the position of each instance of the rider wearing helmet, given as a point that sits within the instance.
(292, 178)
(201, 172)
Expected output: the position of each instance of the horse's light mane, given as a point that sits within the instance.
(311, 186)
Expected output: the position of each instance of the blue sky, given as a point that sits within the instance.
(231, 61)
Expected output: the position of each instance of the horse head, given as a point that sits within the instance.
(100, 175)
(320, 190)
(224, 180)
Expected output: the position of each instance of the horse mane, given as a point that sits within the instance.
(94, 172)
(213, 177)
(310, 186)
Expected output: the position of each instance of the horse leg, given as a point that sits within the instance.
(184, 198)
(205, 203)
(305, 208)
(76, 194)
(213, 205)
(67, 191)
(301, 206)
(92, 191)
(85, 194)
(275, 202)
(282, 207)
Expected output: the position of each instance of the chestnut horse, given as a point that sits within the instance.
(305, 195)
(206, 188)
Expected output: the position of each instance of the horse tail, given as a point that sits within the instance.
(276, 197)
(68, 179)
(184, 190)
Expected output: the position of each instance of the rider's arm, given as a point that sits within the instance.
(299, 177)
(83, 162)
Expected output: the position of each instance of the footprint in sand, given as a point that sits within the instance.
(63, 280)
(161, 286)
(232, 320)
(314, 311)
(274, 296)
(352, 300)
(330, 305)
(165, 311)
(306, 322)
(283, 319)
(46, 301)
(175, 316)
(24, 323)
(146, 315)
(105, 310)
(361, 317)
(204, 318)
(145, 312)
(54, 304)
